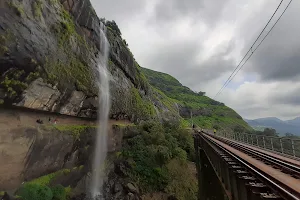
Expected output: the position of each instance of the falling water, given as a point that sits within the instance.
(104, 105)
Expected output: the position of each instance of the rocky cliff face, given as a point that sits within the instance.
(48, 58)
(29, 150)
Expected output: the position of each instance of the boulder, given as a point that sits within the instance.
(74, 104)
(39, 95)
(118, 187)
(132, 188)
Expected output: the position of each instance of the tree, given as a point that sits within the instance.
(239, 129)
(125, 42)
(103, 20)
(201, 93)
(113, 25)
(270, 132)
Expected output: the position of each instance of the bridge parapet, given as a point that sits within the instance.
(238, 178)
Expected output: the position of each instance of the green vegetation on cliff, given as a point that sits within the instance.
(159, 156)
(40, 189)
(206, 112)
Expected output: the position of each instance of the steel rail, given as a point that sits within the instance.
(283, 191)
(263, 156)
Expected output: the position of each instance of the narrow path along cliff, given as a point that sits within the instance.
(20, 134)
(15, 117)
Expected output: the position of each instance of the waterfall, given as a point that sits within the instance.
(104, 106)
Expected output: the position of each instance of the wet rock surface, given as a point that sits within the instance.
(30, 150)
(50, 54)
(39, 95)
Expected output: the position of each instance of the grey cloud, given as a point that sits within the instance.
(120, 11)
(180, 61)
(278, 58)
(198, 10)
(287, 96)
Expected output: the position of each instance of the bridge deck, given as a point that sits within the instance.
(276, 174)
(276, 155)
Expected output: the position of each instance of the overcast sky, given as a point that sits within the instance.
(200, 42)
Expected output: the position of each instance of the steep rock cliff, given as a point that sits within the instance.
(48, 58)
(31, 152)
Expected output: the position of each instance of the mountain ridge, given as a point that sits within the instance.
(195, 107)
(281, 126)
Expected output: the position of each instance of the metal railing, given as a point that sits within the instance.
(283, 145)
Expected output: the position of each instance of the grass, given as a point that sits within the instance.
(45, 180)
(211, 113)
(76, 130)
(18, 8)
(73, 71)
(3, 50)
(142, 108)
(166, 101)
(37, 8)
(38, 189)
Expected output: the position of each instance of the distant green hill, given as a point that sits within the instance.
(206, 112)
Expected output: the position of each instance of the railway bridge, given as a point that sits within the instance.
(244, 171)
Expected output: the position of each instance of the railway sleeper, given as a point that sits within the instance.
(242, 184)
(270, 196)
(254, 189)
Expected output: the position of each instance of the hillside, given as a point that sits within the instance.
(281, 126)
(206, 112)
(49, 56)
(53, 67)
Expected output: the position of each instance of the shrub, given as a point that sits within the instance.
(59, 192)
(182, 181)
(151, 151)
(31, 191)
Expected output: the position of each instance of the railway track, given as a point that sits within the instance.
(268, 177)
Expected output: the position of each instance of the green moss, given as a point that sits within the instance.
(3, 50)
(37, 8)
(32, 76)
(184, 123)
(74, 71)
(167, 101)
(68, 190)
(6, 38)
(18, 8)
(53, 2)
(13, 87)
(45, 180)
(142, 108)
(118, 154)
(66, 29)
(76, 130)
(2, 39)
